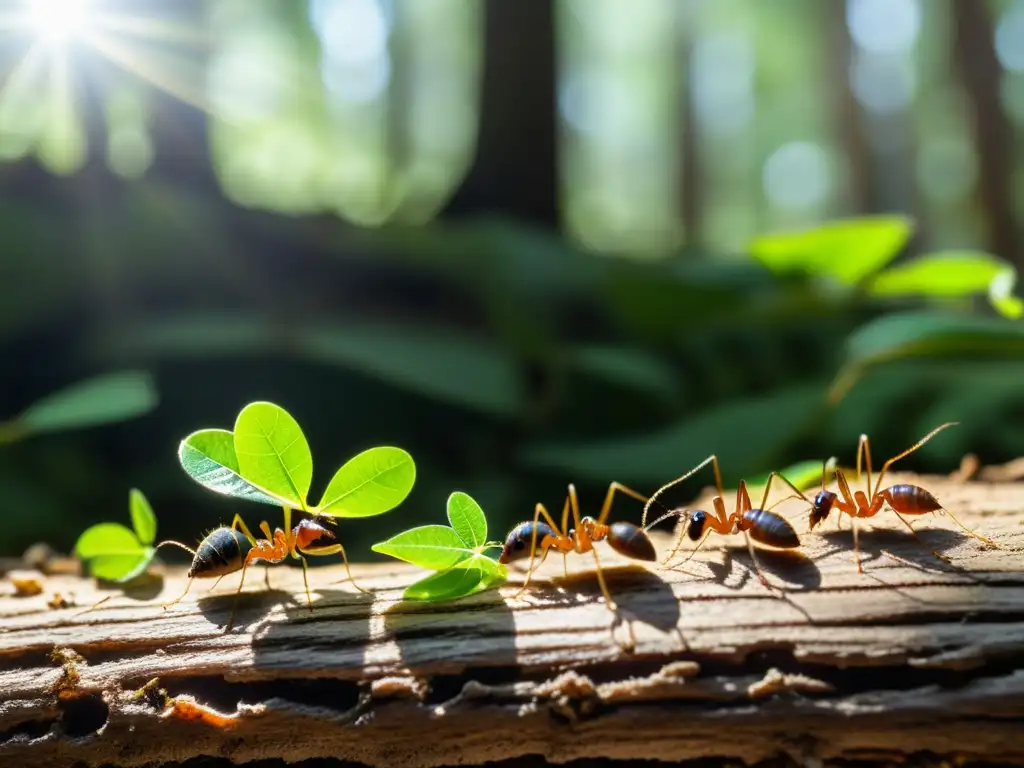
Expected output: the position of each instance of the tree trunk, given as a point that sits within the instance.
(914, 657)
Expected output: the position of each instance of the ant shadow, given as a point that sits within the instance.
(796, 571)
(478, 628)
(144, 587)
(903, 547)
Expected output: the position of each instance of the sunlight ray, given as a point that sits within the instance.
(151, 29)
(161, 75)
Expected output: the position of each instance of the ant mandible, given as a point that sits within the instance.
(229, 549)
(903, 498)
(625, 538)
(760, 524)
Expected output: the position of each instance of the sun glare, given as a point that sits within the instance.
(57, 20)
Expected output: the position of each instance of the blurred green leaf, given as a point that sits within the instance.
(439, 363)
(1000, 293)
(467, 519)
(208, 457)
(803, 475)
(370, 483)
(476, 574)
(143, 519)
(113, 552)
(744, 433)
(100, 400)
(273, 453)
(436, 547)
(628, 367)
(954, 273)
(926, 334)
(847, 250)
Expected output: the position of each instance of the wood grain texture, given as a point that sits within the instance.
(912, 657)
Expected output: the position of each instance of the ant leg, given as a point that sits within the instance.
(864, 449)
(856, 542)
(239, 525)
(178, 598)
(718, 479)
(539, 510)
(305, 582)
(757, 564)
(689, 556)
(967, 530)
(216, 582)
(565, 564)
(606, 508)
(266, 577)
(238, 592)
(911, 449)
(920, 541)
(330, 550)
(612, 605)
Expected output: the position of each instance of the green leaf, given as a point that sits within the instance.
(100, 400)
(1000, 294)
(926, 334)
(467, 519)
(370, 483)
(143, 519)
(954, 273)
(113, 552)
(273, 453)
(627, 367)
(208, 457)
(474, 575)
(847, 250)
(803, 475)
(443, 364)
(436, 547)
(745, 433)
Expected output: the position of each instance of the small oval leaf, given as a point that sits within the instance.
(943, 274)
(847, 250)
(208, 457)
(467, 519)
(273, 453)
(436, 547)
(143, 518)
(370, 483)
(107, 539)
(101, 400)
(466, 578)
(1000, 294)
(121, 568)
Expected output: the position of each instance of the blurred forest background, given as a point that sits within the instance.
(515, 237)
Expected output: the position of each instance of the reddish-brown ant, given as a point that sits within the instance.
(760, 524)
(625, 538)
(903, 499)
(229, 549)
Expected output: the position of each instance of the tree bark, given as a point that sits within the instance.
(914, 657)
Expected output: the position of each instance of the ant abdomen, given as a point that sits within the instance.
(222, 551)
(910, 499)
(769, 528)
(631, 541)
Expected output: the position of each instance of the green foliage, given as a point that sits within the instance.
(943, 274)
(273, 453)
(1000, 294)
(926, 334)
(743, 432)
(456, 552)
(847, 250)
(267, 459)
(116, 553)
(100, 400)
(803, 474)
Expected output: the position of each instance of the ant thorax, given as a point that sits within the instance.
(735, 526)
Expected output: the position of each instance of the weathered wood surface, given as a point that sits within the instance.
(912, 657)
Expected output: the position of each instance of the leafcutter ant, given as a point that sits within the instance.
(758, 524)
(903, 499)
(625, 538)
(229, 549)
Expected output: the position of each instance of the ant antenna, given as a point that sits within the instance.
(177, 544)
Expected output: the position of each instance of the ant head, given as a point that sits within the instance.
(821, 506)
(517, 544)
(696, 525)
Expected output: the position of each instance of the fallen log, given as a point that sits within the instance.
(914, 660)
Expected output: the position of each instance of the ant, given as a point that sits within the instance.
(903, 499)
(760, 524)
(228, 549)
(625, 538)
